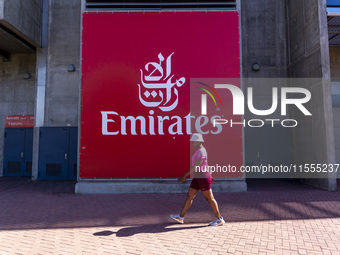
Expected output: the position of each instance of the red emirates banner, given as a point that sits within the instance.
(142, 80)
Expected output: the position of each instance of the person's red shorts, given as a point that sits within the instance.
(201, 184)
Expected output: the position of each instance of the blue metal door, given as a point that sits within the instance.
(28, 152)
(72, 153)
(53, 153)
(18, 151)
(58, 153)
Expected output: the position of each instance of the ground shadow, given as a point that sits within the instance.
(26, 204)
(147, 228)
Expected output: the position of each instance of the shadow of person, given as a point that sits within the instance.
(148, 228)
(104, 233)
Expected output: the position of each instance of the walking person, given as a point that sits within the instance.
(202, 181)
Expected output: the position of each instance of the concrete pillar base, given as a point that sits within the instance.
(329, 184)
(114, 187)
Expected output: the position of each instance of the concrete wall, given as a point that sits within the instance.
(16, 93)
(23, 17)
(288, 39)
(304, 56)
(313, 140)
(62, 87)
(274, 35)
(334, 55)
(263, 38)
(336, 115)
(2, 2)
(264, 43)
(57, 94)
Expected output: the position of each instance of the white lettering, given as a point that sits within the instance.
(199, 126)
(188, 123)
(262, 112)
(238, 98)
(219, 127)
(272, 121)
(160, 124)
(237, 123)
(177, 124)
(105, 121)
(133, 121)
(260, 122)
(151, 123)
(289, 120)
(297, 101)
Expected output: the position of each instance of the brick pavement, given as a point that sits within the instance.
(273, 217)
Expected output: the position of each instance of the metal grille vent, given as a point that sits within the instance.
(334, 30)
(29, 168)
(75, 170)
(53, 170)
(159, 5)
(13, 167)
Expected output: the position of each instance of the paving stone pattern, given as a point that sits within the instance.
(273, 217)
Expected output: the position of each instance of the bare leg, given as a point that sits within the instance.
(210, 197)
(190, 197)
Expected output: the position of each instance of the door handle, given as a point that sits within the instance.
(65, 155)
(258, 154)
(22, 154)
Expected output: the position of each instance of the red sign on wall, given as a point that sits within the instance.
(19, 121)
(139, 73)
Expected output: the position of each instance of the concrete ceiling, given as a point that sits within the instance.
(11, 43)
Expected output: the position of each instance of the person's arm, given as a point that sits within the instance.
(198, 162)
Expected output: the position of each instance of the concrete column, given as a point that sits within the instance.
(39, 108)
(57, 90)
(2, 9)
(62, 87)
(308, 57)
(334, 54)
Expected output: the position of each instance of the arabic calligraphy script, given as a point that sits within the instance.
(156, 83)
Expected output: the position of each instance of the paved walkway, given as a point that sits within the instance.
(273, 217)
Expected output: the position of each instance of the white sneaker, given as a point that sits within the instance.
(217, 222)
(177, 218)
